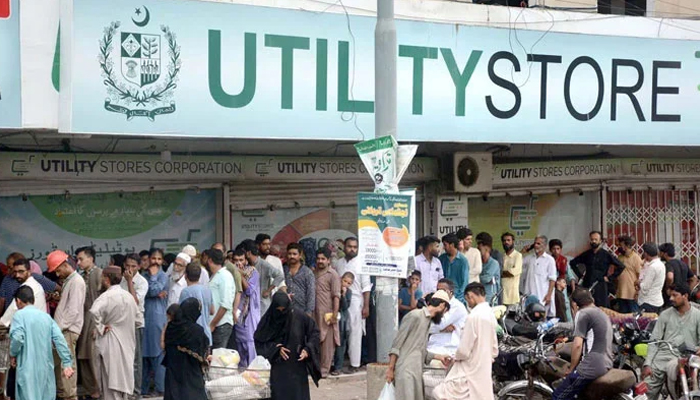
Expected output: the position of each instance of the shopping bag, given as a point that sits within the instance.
(387, 392)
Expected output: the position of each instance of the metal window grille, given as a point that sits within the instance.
(658, 216)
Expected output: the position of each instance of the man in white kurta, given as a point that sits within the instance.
(24, 277)
(114, 313)
(470, 376)
(359, 305)
(445, 336)
(540, 275)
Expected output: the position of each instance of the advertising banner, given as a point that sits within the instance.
(142, 67)
(383, 222)
(10, 76)
(313, 228)
(111, 222)
(568, 217)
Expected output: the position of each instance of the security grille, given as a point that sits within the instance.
(658, 216)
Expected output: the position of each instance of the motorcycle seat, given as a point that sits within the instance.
(613, 382)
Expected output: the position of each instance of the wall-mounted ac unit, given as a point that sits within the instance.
(473, 172)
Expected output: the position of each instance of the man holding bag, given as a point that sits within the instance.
(408, 352)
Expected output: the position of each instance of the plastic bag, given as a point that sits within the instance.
(225, 358)
(259, 363)
(387, 392)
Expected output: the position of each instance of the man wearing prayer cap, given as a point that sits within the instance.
(408, 351)
(192, 252)
(177, 278)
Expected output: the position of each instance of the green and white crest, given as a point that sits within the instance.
(146, 79)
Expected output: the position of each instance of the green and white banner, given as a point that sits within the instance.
(111, 222)
(384, 232)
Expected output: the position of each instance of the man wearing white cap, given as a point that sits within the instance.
(177, 278)
(408, 351)
(192, 252)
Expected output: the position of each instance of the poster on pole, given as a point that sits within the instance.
(383, 227)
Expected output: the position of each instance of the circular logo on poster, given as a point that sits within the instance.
(468, 171)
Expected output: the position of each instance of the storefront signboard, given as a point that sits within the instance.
(142, 67)
(148, 167)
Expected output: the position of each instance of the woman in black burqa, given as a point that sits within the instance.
(186, 350)
(289, 340)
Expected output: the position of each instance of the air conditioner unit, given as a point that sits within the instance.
(473, 172)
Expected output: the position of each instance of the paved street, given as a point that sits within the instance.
(349, 388)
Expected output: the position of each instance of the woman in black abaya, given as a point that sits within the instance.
(289, 340)
(186, 350)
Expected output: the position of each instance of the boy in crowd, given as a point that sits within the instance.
(409, 295)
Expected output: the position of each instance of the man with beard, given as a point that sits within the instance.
(86, 342)
(512, 268)
(679, 325)
(540, 275)
(429, 265)
(327, 306)
(177, 278)
(408, 351)
(264, 243)
(359, 304)
(597, 261)
(155, 305)
(137, 286)
(21, 272)
(301, 284)
(270, 277)
(470, 375)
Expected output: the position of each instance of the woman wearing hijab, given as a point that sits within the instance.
(186, 348)
(289, 340)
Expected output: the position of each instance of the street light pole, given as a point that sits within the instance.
(385, 48)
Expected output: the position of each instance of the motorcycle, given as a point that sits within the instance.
(632, 343)
(686, 385)
(542, 371)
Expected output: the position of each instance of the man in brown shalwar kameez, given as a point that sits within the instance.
(86, 342)
(327, 306)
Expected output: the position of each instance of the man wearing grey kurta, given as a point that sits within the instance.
(114, 314)
(409, 350)
(678, 325)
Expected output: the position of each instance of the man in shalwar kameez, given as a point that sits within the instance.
(408, 351)
(470, 376)
(32, 352)
(114, 314)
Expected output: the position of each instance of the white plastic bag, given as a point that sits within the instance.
(259, 363)
(225, 358)
(387, 392)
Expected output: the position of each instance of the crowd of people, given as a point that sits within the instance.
(146, 324)
(445, 307)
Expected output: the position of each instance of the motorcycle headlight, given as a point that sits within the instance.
(694, 362)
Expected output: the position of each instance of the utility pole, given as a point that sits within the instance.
(385, 48)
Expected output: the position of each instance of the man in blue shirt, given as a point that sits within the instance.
(455, 265)
(222, 288)
(490, 275)
(409, 295)
(201, 293)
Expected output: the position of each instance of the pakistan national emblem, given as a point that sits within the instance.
(140, 68)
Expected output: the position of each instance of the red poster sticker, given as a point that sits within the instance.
(5, 9)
